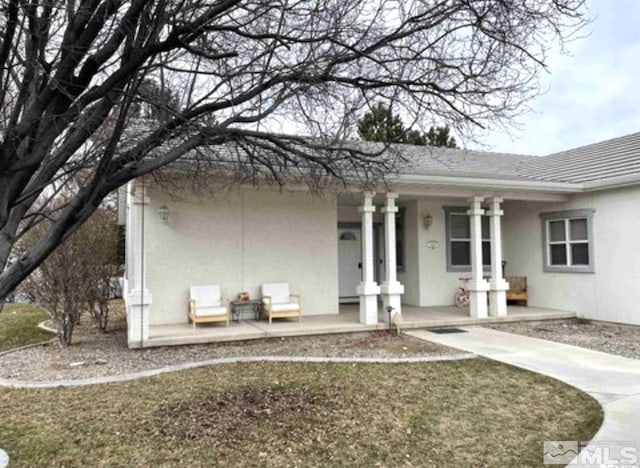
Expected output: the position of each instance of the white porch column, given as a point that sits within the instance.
(391, 289)
(139, 296)
(368, 289)
(499, 287)
(477, 286)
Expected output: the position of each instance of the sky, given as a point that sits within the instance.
(592, 94)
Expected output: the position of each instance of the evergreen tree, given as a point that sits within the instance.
(382, 125)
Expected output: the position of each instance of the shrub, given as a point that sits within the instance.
(99, 241)
(75, 278)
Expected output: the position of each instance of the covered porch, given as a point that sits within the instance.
(404, 254)
(420, 247)
(347, 321)
(404, 251)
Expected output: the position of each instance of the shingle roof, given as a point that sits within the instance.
(598, 161)
(595, 162)
(463, 162)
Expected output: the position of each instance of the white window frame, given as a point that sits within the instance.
(566, 217)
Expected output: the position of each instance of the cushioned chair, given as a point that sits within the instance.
(277, 301)
(207, 305)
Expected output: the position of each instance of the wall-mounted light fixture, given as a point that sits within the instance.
(428, 221)
(163, 213)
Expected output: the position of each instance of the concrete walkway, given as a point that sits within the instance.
(613, 381)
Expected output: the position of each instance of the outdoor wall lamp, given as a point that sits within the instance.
(428, 221)
(163, 213)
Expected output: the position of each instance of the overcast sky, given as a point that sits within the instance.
(593, 94)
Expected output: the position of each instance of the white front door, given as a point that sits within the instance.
(349, 262)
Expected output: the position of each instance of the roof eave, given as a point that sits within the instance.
(612, 183)
(491, 183)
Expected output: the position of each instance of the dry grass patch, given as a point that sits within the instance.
(19, 326)
(462, 413)
(229, 417)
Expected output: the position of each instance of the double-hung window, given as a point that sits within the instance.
(458, 228)
(568, 241)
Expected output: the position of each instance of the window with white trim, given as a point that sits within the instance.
(458, 230)
(568, 241)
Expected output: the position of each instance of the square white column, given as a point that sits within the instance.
(368, 289)
(391, 289)
(138, 308)
(139, 297)
(498, 286)
(478, 287)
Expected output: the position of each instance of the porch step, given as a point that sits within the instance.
(445, 317)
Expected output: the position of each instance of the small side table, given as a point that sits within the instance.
(237, 307)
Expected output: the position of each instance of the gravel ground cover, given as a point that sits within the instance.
(98, 355)
(95, 355)
(622, 340)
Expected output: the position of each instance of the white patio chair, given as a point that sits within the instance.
(277, 301)
(206, 304)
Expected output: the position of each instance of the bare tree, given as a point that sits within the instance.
(71, 71)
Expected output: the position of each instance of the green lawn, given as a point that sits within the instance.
(471, 413)
(19, 326)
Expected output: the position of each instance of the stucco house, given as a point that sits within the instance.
(567, 221)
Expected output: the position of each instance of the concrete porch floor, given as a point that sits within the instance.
(344, 322)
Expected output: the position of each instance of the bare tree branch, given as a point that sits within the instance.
(95, 93)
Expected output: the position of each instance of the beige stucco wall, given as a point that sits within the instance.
(603, 295)
(241, 240)
(293, 237)
(609, 293)
(606, 294)
(427, 282)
